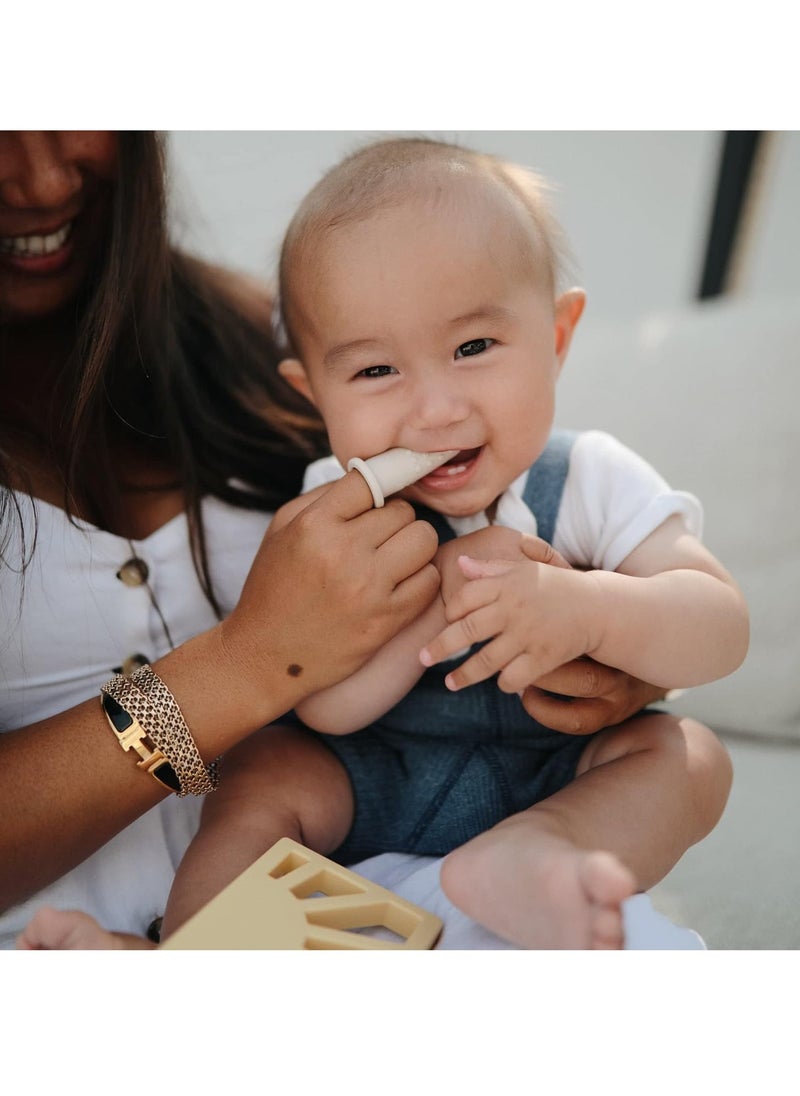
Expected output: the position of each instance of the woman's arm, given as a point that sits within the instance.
(303, 621)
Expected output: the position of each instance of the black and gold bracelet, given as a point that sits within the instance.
(132, 736)
(145, 714)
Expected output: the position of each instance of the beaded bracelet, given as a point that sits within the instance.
(141, 712)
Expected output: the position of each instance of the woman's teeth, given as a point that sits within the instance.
(32, 246)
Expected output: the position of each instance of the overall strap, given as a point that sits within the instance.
(444, 529)
(546, 479)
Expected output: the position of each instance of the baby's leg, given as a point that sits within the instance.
(556, 875)
(280, 782)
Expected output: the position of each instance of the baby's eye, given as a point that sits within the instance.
(474, 346)
(376, 371)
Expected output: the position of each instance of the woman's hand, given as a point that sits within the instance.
(330, 587)
(581, 696)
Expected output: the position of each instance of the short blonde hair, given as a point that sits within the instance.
(384, 175)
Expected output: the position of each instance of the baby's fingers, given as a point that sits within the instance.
(517, 675)
(540, 551)
(483, 568)
(485, 663)
(476, 627)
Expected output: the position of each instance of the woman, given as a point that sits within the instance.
(143, 447)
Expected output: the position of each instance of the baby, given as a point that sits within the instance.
(420, 298)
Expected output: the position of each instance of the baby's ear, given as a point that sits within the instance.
(568, 310)
(293, 371)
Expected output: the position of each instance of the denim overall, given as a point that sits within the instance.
(441, 767)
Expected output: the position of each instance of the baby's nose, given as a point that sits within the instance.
(438, 404)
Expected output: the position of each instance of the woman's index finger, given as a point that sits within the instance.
(347, 497)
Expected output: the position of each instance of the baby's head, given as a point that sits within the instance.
(419, 296)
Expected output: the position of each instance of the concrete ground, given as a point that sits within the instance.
(740, 887)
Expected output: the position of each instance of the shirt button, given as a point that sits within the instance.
(134, 572)
(133, 663)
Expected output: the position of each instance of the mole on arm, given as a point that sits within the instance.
(294, 670)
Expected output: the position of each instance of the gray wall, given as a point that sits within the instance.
(635, 205)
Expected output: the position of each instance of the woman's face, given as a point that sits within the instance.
(55, 191)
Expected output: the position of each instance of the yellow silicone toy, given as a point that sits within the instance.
(293, 898)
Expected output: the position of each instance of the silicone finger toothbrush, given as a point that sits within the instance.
(395, 469)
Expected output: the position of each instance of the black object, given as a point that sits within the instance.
(739, 148)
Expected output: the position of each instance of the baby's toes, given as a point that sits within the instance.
(607, 930)
(606, 880)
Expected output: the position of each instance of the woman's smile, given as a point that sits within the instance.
(38, 253)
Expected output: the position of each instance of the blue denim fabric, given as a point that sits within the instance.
(442, 767)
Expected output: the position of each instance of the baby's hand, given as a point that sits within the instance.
(536, 617)
(72, 930)
(492, 545)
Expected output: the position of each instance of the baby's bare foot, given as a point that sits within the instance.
(540, 891)
(606, 883)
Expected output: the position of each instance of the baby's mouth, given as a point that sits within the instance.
(456, 465)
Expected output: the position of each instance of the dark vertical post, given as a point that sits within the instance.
(739, 149)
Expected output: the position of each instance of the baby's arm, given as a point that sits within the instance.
(379, 684)
(395, 669)
(673, 604)
(670, 615)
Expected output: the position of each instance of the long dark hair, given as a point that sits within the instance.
(166, 352)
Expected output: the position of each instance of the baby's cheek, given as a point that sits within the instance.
(353, 438)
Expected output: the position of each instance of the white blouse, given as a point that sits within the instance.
(67, 623)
